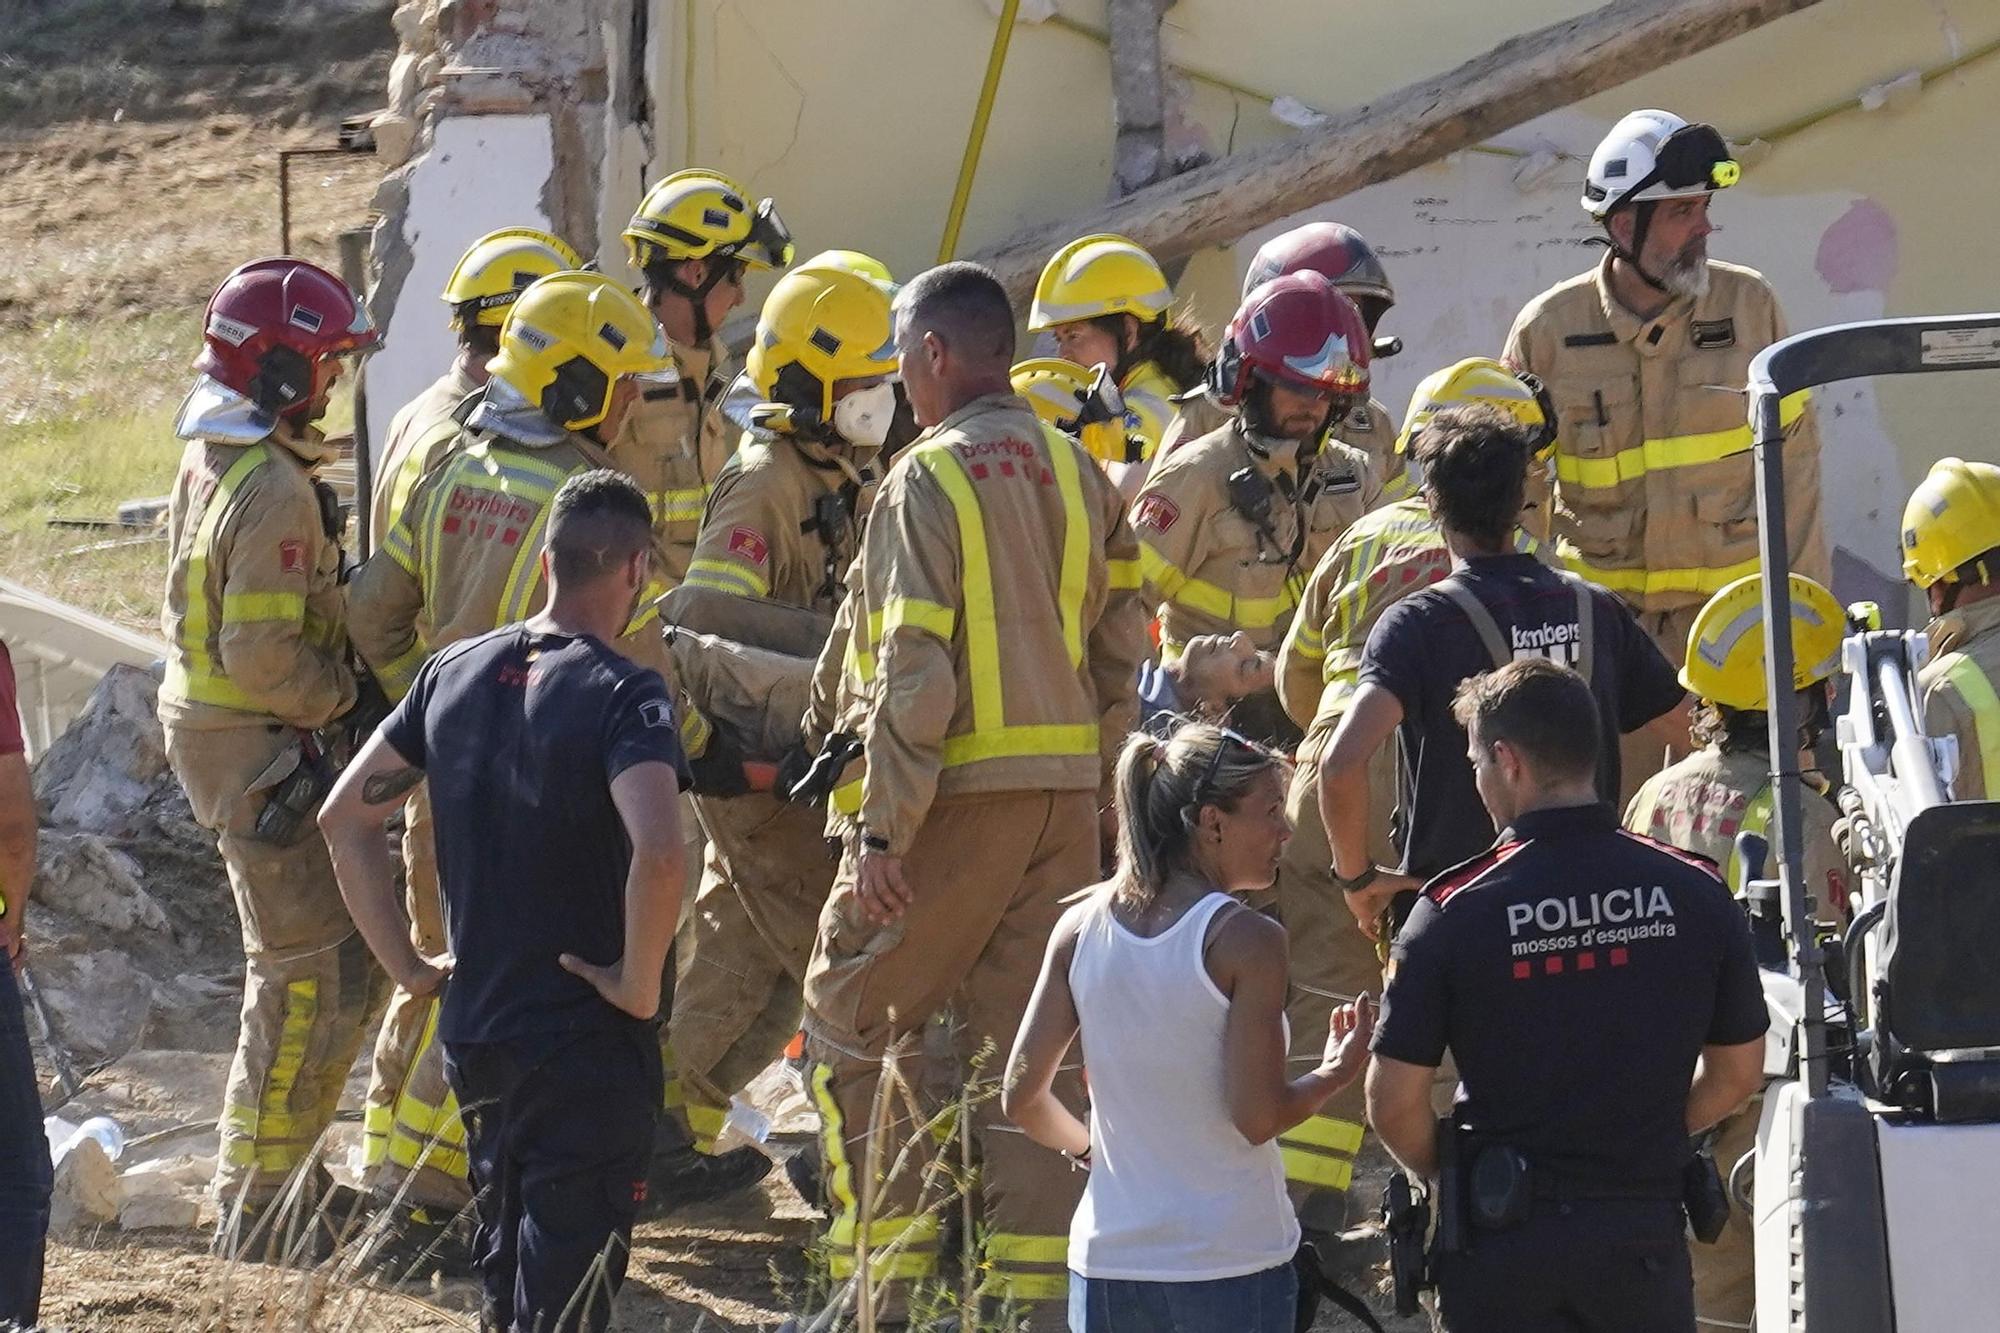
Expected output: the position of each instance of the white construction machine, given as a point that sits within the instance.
(1876, 1187)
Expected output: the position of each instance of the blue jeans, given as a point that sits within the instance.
(24, 1163)
(1265, 1302)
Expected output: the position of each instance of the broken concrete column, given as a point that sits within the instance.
(512, 119)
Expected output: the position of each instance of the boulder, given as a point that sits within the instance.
(77, 873)
(165, 1193)
(110, 762)
(87, 1192)
(99, 1002)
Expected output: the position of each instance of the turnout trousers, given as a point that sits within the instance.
(413, 1141)
(738, 1000)
(310, 986)
(989, 874)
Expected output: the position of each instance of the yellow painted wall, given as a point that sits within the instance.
(854, 115)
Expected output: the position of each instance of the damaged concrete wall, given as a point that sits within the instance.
(502, 113)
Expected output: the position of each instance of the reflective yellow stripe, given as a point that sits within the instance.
(982, 629)
(705, 1119)
(726, 576)
(269, 1135)
(422, 1135)
(695, 733)
(1757, 820)
(1977, 691)
(1306, 1167)
(193, 674)
(847, 798)
(239, 607)
(398, 674)
(917, 1255)
(1668, 452)
(679, 506)
(1644, 582)
(1307, 642)
(914, 612)
(1123, 575)
(1054, 739)
(1003, 1247)
(1251, 613)
(1325, 1131)
(1075, 573)
(412, 469)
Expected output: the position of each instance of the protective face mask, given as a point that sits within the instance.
(864, 416)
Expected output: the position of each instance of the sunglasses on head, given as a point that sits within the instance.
(1206, 784)
(1694, 155)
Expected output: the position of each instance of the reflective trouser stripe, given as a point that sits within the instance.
(1670, 451)
(375, 1122)
(1320, 1150)
(423, 1135)
(705, 1123)
(899, 1246)
(194, 674)
(267, 1136)
(1023, 1268)
(1978, 693)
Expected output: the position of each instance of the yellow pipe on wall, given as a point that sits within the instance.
(968, 168)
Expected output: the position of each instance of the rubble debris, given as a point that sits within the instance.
(168, 1192)
(87, 1192)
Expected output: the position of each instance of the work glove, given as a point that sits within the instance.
(719, 770)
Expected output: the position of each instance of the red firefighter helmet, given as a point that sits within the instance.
(274, 329)
(1330, 248)
(1297, 330)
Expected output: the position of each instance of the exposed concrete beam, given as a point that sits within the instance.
(1138, 95)
(1511, 84)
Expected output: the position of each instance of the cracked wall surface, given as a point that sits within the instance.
(501, 113)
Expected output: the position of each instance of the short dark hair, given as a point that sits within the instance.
(597, 522)
(965, 307)
(1475, 465)
(483, 339)
(1544, 710)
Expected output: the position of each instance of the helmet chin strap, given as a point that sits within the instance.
(696, 296)
(1642, 220)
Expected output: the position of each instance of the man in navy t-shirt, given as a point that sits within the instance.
(1496, 606)
(554, 766)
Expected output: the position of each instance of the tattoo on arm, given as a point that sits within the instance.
(381, 788)
(1017, 1071)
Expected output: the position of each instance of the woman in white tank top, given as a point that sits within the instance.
(1178, 992)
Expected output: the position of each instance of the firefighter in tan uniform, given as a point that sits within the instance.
(1106, 302)
(1383, 557)
(1724, 789)
(1951, 550)
(253, 618)
(489, 277)
(1647, 357)
(783, 523)
(1343, 256)
(694, 236)
(1232, 523)
(996, 636)
(463, 558)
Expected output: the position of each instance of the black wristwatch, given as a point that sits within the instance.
(1359, 882)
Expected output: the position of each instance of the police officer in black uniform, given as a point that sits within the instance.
(1599, 995)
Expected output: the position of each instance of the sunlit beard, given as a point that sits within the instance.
(1688, 274)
